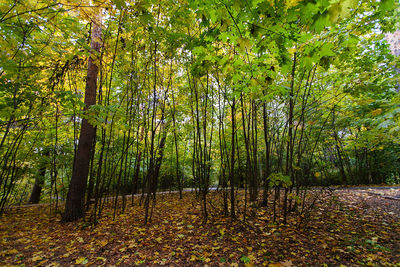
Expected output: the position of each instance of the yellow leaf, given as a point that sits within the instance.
(371, 257)
(292, 50)
(244, 43)
(103, 243)
(222, 232)
(81, 260)
(80, 239)
(292, 3)
(36, 258)
(11, 251)
(376, 112)
(66, 255)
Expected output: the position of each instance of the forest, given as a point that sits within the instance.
(199, 132)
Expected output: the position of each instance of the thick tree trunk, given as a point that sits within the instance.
(74, 206)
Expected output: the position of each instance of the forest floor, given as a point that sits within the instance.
(348, 227)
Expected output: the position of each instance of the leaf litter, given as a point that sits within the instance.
(346, 227)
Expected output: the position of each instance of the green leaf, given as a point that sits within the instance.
(326, 50)
(119, 3)
(245, 259)
(321, 22)
(244, 43)
(386, 5)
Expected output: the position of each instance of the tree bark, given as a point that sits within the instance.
(232, 169)
(39, 180)
(74, 206)
(37, 187)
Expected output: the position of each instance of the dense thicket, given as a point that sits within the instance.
(266, 96)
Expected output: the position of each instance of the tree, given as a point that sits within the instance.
(265, 96)
(74, 206)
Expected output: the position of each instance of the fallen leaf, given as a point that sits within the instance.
(82, 260)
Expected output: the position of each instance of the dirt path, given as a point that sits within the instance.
(384, 201)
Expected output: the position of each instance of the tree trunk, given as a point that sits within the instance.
(232, 169)
(39, 180)
(37, 187)
(178, 174)
(74, 206)
(267, 156)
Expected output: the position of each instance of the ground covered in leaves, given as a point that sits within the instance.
(349, 227)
